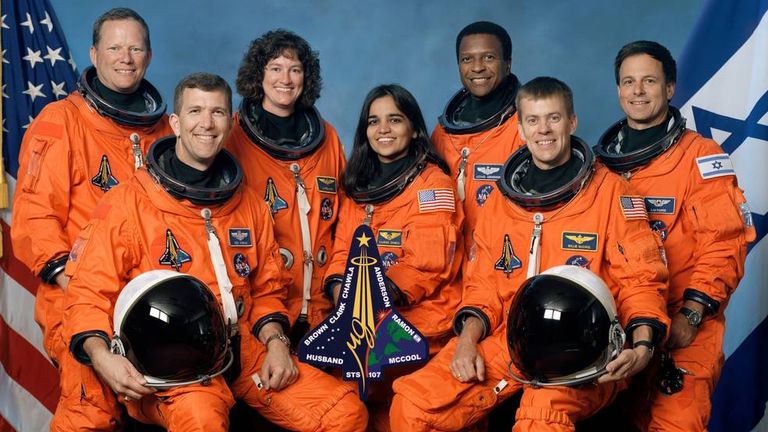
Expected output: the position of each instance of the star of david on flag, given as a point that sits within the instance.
(722, 90)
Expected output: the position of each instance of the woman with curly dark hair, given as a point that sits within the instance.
(397, 184)
(293, 158)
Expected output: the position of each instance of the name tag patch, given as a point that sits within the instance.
(487, 171)
(240, 237)
(392, 238)
(326, 184)
(579, 241)
(660, 205)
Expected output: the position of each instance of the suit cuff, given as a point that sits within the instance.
(76, 345)
(711, 305)
(659, 329)
(466, 312)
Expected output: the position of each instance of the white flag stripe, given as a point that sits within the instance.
(720, 95)
(6, 213)
(748, 306)
(17, 306)
(21, 409)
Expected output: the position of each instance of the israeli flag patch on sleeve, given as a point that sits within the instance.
(715, 166)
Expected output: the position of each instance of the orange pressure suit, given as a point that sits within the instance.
(422, 252)
(140, 227)
(700, 214)
(591, 231)
(70, 156)
(275, 181)
(475, 154)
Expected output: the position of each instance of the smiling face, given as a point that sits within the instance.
(201, 127)
(547, 126)
(389, 130)
(643, 92)
(481, 64)
(121, 56)
(283, 83)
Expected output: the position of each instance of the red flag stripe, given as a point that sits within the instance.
(5, 426)
(19, 408)
(15, 268)
(26, 366)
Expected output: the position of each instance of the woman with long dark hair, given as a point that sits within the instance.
(397, 184)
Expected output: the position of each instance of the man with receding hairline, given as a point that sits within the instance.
(75, 151)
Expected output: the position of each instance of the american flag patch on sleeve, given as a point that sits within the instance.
(633, 207)
(431, 200)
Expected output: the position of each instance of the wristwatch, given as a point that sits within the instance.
(279, 336)
(693, 317)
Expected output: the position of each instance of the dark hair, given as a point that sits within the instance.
(544, 87)
(364, 163)
(204, 81)
(120, 14)
(272, 45)
(653, 49)
(487, 27)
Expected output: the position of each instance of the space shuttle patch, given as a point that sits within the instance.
(173, 255)
(104, 179)
(272, 198)
(508, 261)
(365, 333)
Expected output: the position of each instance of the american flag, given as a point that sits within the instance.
(37, 69)
(436, 199)
(633, 207)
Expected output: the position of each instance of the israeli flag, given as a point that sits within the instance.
(723, 91)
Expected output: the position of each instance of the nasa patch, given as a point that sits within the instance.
(482, 194)
(578, 260)
(580, 241)
(240, 237)
(326, 209)
(660, 205)
(392, 238)
(389, 259)
(242, 267)
(659, 227)
(487, 171)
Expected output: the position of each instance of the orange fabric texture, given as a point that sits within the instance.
(423, 251)
(706, 245)
(487, 149)
(624, 253)
(320, 172)
(130, 239)
(62, 152)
